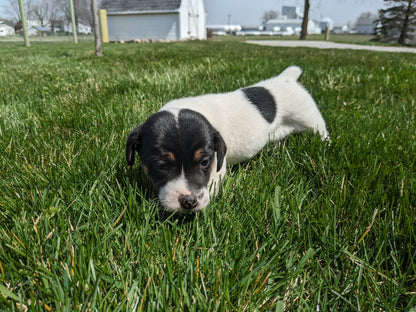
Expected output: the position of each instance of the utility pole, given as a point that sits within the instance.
(24, 23)
(74, 26)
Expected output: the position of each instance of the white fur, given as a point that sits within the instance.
(243, 128)
(171, 192)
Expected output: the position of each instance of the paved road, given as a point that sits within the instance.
(329, 45)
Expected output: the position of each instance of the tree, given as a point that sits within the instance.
(46, 11)
(397, 22)
(305, 20)
(12, 10)
(83, 11)
(269, 15)
(41, 10)
(97, 32)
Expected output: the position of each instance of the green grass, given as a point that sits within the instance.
(302, 226)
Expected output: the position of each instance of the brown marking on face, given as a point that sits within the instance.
(145, 169)
(199, 154)
(170, 156)
(211, 167)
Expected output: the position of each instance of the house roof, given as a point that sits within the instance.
(7, 23)
(5, 26)
(140, 5)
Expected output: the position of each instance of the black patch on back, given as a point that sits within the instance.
(263, 100)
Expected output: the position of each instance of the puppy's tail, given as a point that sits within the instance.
(291, 73)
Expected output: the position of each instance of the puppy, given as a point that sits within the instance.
(185, 146)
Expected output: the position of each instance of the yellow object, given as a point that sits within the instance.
(327, 30)
(103, 26)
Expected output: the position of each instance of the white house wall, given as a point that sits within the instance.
(202, 20)
(143, 26)
(193, 19)
(6, 30)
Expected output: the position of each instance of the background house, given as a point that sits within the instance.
(167, 20)
(291, 26)
(6, 30)
(290, 23)
(66, 27)
(292, 12)
(365, 24)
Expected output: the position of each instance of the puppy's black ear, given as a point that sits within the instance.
(220, 148)
(133, 144)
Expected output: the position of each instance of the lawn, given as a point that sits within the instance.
(304, 226)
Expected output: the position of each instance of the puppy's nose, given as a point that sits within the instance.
(188, 201)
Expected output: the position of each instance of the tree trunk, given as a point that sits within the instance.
(404, 30)
(305, 20)
(97, 32)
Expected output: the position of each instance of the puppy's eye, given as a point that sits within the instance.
(205, 163)
(161, 166)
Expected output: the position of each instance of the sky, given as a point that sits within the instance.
(250, 12)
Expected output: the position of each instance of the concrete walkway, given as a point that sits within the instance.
(329, 45)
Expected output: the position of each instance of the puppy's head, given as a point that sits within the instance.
(180, 154)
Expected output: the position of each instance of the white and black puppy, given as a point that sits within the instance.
(186, 145)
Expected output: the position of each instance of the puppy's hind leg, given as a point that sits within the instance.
(316, 122)
(305, 117)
